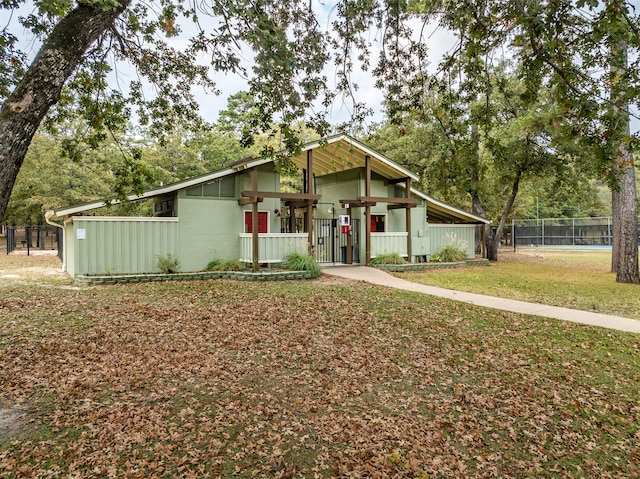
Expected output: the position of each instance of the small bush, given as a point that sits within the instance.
(448, 254)
(302, 262)
(226, 265)
(168, 264)
(388, 258)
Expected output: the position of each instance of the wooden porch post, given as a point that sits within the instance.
(254, 219)
(350, 241)
(292, 219)
(408, 222)
(309, 187)
(367, 209)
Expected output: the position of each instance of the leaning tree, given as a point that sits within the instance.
(90, 47)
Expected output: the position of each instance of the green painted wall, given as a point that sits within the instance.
(101, 245)
(336, 187)
(209, 227)
(69, 249)
(462, 236)
(351, 184)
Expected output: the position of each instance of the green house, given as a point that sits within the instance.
(355, 204)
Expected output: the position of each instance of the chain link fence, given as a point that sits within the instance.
(563, 232)
(32, 238)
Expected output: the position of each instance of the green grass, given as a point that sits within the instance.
(329, 377)
(579, 280)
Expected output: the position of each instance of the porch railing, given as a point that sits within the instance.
(383, 243)
(273, 247)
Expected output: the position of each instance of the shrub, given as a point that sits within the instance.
(302, 262)
(388, 258)
(225, 265)
(168, 264)
(448, 254)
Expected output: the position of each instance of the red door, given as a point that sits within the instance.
(263, 223)
(377, 224)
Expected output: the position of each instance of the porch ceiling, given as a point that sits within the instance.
(341, 153)
(440, 213)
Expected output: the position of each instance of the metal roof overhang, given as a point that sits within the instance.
(161, 190)
(438, 212)
(331, 155)
(341, 153)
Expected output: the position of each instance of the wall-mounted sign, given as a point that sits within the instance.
(81, 233)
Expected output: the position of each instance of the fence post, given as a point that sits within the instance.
(11, 239)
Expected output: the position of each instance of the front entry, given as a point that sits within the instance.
(330, 245)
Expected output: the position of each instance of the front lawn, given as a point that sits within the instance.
(320, 378)
(570, 279)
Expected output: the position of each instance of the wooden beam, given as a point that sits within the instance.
(300, 203)
(250, 201)
(399, 207)
(406, 202)
(355, 203)
(350, 241)
(408, 221)
(254, 221)
(367, 210)
(308, 190)
(281, 195)
(395, 181)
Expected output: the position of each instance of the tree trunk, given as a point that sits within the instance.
(494, 238)
(476, 204)
(624, 254)
(40, 88)
(477, 209)
(624, 257)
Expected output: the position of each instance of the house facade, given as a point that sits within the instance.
(355, 204)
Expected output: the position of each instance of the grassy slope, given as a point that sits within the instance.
(325, 377)
(569, 279)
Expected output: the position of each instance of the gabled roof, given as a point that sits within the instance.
(341, 152)
(330, 155)
(161, 190)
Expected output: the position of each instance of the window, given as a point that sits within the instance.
(195, 191)
(378, 223)
(263, 222)
(220, 188)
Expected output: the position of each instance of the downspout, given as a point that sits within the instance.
(49, 214)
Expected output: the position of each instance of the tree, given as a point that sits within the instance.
(83, 41)
(476, 151)
(562, 46)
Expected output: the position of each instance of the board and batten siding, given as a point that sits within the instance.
(119, 245)
(462, 236)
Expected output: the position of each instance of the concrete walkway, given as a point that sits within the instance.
(376, 276)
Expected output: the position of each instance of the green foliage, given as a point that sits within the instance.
(168, 264)
(388, 258)
(448, 254)
(302, 262)
(225, 265)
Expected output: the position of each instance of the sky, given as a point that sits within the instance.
(439, 43)
(210, 104)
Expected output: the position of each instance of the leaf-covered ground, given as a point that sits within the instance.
(324, 378)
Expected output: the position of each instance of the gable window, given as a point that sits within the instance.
(220, 188)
